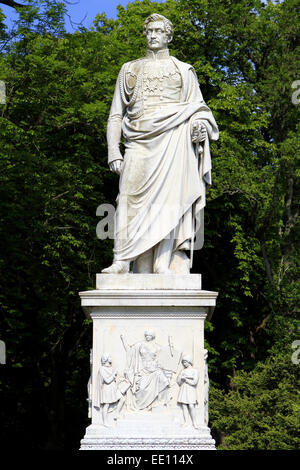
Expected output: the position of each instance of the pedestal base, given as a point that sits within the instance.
(152, 443)
(147, 325)
(135, 434)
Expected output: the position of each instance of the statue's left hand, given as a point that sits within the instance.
(199, 132)
(116, 166)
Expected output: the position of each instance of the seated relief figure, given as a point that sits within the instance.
(166, 125)
(149, 380)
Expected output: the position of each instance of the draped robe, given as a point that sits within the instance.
(106, 391)
(147, 377)
(163, 180)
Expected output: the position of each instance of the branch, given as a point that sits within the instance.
(267, 263)
(262, 325)
(12, 4)
(73, 23)
(60, 195)
(288, 205)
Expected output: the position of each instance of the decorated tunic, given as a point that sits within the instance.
(107, 391)
(188, 380)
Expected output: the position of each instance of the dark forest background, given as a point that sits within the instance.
(54, 175)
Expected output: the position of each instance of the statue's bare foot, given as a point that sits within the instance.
(180, 263)
(107, 425)
(118, 267)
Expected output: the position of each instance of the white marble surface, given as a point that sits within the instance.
(149, 373)
(167, 127)
(140, 433)
(176, 317)
(148, 281)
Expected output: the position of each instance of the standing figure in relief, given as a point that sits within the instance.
(206, 388)
(107, 391)
(159, 110)
(187, 397)
(149, 382)
(90, 386)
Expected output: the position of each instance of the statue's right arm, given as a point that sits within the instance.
(114, 129)
(114, 132)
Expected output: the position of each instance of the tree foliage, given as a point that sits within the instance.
(54, 175)
(262, 412)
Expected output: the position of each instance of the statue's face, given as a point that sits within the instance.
(148, 337)
(106, 362)
(156, 36)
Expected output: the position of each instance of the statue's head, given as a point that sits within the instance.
(158, 31)
(106, 359)
(149, 335)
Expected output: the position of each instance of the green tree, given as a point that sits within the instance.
(54, 175)
(51, 184)
(262, 412)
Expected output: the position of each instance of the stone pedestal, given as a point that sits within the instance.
(123, 308)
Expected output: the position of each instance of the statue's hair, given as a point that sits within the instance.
(156, 17)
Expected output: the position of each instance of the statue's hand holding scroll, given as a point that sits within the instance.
(199, 132)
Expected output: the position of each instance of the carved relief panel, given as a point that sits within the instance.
(153, 367)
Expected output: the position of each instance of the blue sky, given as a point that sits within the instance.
(90, 8)
(81, 9)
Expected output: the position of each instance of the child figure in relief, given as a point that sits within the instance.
(187, 397)
(107, 391)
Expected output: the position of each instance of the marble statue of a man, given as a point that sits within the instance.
(166, 125)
